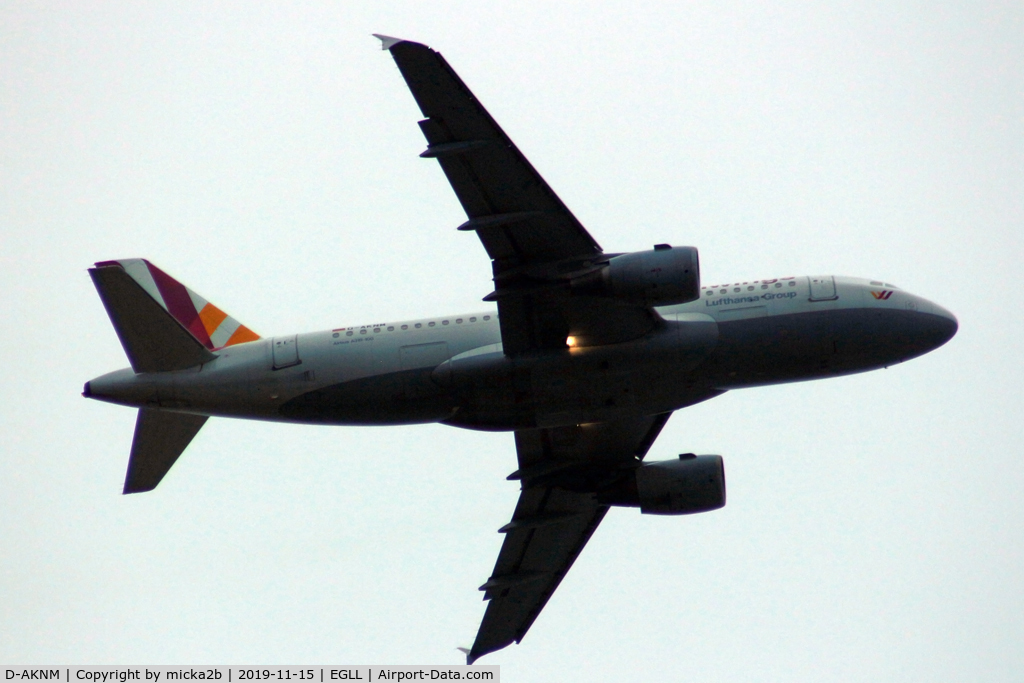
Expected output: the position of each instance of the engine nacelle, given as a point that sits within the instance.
(663, 276)
(691, 484)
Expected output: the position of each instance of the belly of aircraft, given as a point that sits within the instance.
(490, 391)
(396, 398)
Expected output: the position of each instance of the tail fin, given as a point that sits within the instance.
(162, 324)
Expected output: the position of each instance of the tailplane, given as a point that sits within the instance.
(162, 324)
(160, 437)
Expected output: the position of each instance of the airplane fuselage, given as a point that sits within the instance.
(452, 369)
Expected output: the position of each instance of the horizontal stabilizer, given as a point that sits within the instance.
(160, 437)
(152, 339)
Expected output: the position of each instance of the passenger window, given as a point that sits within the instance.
(444, 322)
(764, 286)
(487, 317)
(792, 284)
(473, 319)
(419, 325)
(431, 323)
(750, 288)
(362, 331)
(391, 328)
(405, 327)
(376, 330)
(335, 335)
(349, 333)
(778, 284)
(459, 321)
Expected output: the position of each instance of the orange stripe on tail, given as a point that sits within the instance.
(242, 334)
(212, 317)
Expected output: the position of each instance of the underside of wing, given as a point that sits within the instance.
(536, 245)
(561, 470)
(518, 217)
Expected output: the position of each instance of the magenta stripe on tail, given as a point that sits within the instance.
(179, 304)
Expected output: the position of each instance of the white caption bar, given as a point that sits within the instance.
(244, 674)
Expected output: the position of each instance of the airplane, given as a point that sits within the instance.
(583, 356)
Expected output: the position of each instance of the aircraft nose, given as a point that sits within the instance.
(910, 326)
(936, 327)
(946, 324)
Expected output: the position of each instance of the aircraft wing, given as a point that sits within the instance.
(560, 468)
(535, 243)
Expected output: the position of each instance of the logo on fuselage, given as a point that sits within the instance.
(882, 295)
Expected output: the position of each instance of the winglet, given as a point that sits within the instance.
(387, 42)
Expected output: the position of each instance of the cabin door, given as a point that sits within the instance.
(286, 351)
(823, 288)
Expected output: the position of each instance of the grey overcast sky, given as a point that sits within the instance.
(267, 157)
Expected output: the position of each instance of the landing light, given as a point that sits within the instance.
(570, 341)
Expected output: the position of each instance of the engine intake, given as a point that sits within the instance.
(685, 486)
(663, 276)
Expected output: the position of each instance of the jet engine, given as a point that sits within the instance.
(685, 486)
(663, 276)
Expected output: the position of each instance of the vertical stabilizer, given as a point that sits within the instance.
(162, 324)
(160, 437)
